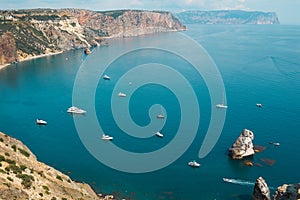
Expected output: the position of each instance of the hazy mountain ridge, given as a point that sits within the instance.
(42, 31)
(227, 17)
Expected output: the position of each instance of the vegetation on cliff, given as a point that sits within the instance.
(23, 177)
(43, 31)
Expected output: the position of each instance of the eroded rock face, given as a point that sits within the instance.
(22, 176)
(43, 31)
(8, 51)
(261, 190)
(243, 146)
(287, 192)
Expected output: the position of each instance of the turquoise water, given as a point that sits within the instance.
(258, 64)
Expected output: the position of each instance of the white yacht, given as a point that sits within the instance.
(41, 122)
(107, 137)
(160, 116)
(193, 164)
(106, 77)
(158, 134)
(75, 110)
(221, 105)
(121, 94)
(259, 105)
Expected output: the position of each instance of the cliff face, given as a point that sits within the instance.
(287, 191)
(43, 31)
(8, 50)
(227, 17)
(23, 177)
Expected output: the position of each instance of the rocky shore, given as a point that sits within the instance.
(28, 33)
(285, 192)
(22, 176)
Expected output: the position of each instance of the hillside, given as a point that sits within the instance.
(227, 17)
(23, 177)
(43, 31)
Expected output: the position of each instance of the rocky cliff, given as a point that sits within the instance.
(285, 192)
(44, 31)
(228, 17)
(23, 177)
(243, 145)
(261, 190)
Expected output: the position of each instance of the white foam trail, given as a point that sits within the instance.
(242, 182)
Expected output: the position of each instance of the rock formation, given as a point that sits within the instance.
(23, 177)
(227, 17)
(243, 146)
(287, 191)
(261, 190)
(43, 31)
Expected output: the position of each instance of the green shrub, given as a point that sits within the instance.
(15, 169)
(2, 158)
(23, 167)
(59, 177)
(14, 147)
(26, 180)
(25, 153)
(9, 161)
(45, 188)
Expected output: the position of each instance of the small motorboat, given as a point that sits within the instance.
(160, 116)
(193, 164)
(121, 94)
(107, 137)
(41, 122)
(106, 77)
(259, 105)
(75, 110)
(221, 106)
(158, 134)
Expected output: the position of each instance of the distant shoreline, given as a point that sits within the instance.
(31, 58)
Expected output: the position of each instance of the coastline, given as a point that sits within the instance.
(2, 67)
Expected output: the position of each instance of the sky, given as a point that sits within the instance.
(287, 10)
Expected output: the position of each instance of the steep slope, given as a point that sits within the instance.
(44, 31)
(227, 17)
(23, 177)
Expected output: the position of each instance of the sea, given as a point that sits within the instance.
(182, 76)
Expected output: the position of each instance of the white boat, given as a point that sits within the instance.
(75, 110)
(221, 106)
(121, 94)
(41, 122)
(259, 105)
(106, 77)
(160, 116)
(193, 164)
(158, 134)
(107, 137)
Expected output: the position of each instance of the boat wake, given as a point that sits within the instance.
(238, 182)
(242, 182)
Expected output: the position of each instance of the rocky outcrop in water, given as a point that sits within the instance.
(261, 190)
(287, 192)
(243, 146)
(227, 17)
(23, 177)
(44, 31)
